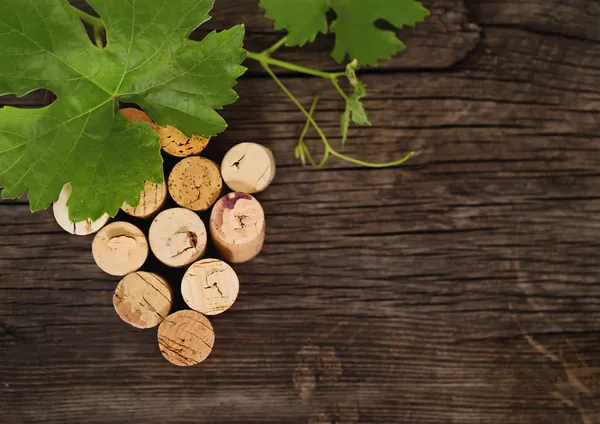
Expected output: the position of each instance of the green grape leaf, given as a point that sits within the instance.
(355, 110)
(354, 26)
(82, 138)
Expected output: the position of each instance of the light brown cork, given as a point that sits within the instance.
(61, 215)
(177, 237)
(120, 248)
(248, 168)
(172, 141)
(210, 286)
(136, 115)
(143, 299)
(237, 227)
(152, 199)
(195, 183)
(186, 338)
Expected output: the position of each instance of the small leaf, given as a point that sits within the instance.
(355, 110)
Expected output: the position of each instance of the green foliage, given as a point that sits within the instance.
(354, 26)
(81, 138)
(355, 110)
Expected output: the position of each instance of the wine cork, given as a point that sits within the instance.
(136, 115)
(61, 215)
(177, 237)
(237, 227)
(143, 299)
(248, 168)
(186, 338)
(195, 183)
(172, 141)
(175, 143)
(152, 198)
(120, 248)
(210, 286)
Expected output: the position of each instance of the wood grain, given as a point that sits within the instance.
(462, 288)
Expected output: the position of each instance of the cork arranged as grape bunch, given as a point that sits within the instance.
(178, 238)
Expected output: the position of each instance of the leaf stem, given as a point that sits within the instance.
(265, 59)
(275, 46)
(97, 23)
(98, 37)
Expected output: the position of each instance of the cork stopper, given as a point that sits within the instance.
(195, 183)
(176, 143)
(136, 115)
(152, 198)
(143, 299)
(61, 215)
(120, 248)
(186, 338)
(248, 168)
(237, 227)
(210, 286)
(172, 141)
(177, 237)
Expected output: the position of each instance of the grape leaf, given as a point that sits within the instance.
(355, 110)
(354, 25)
(81, 138)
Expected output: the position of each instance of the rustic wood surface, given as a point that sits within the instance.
(461, 288)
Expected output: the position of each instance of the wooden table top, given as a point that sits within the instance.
(463, 287)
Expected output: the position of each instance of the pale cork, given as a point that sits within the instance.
(186, 338)
(237, 227)
(210, 286)
(143, 299)
(61, 215)
(195, 183)
(248, 168)
(177, 237)
(152, 199)
(120, 248)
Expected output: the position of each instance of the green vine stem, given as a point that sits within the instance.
(302, 150)
(97, 25)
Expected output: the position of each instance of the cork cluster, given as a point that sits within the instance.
(178, 238)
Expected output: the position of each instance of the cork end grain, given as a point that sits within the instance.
(143, 299)
(177, 237)
(61, 215)
(120, 248)
(210, 286)
(176, 143)
(237, 227)
(195, 183)
(152, 198)
(186, 338)
(248, 168)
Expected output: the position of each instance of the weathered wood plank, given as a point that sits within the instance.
(462, 288)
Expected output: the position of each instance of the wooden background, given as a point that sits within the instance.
(461, 288)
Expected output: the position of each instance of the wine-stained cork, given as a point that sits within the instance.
(237, 227)
(143, 299)
(120, 248)
(248, 168)
(152, 198)
(186, 338)
(172, 141)
(61, 214)
(177, 237)
(210, 286)
(195, 183)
